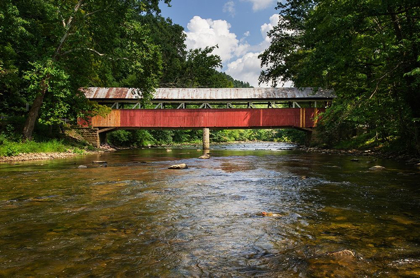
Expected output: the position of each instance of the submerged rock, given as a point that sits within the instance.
(82, 167)
(343, 254)
(179, 166)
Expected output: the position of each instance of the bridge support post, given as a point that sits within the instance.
(206, 138)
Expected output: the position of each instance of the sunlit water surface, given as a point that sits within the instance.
(327, 216)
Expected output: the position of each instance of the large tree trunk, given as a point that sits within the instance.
(29, 126)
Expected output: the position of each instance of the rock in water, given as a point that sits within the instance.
(269, 214)
(205, 156)
(377, 167)
(179, 166)
(82, 167)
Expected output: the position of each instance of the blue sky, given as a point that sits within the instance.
(238, 27)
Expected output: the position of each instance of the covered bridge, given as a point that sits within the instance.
(217, 108)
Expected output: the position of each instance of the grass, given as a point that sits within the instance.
(11, 148)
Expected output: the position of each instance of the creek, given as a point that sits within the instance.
(251, 210)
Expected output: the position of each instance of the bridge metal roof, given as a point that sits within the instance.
(210, 94)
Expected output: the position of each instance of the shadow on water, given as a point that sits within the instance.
(260, 210)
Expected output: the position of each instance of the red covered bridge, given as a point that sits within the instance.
(224, 108)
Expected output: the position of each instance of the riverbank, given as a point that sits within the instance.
(53, 155)
(398, 156)
(45, 156)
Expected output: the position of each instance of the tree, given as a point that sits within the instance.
(200, 67)
(367, 51)
(170, 38)
(60, 46)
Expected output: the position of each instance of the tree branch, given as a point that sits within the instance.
(94, 51)
(68, 26)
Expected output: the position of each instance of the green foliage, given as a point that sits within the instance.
(142, 138)
(139, 138)
(53, 48)
(367, 51)
(160, 136)
(290, 136)
(200, 69)
(130, 138)
(120, 138)
(280, 135)
(57, 103)
(11, 148)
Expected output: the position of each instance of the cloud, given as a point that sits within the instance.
(229, 7)
(207, 32)
(261, 4)
(240, 60)
(247, 68)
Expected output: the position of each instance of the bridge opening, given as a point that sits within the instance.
(165, 137)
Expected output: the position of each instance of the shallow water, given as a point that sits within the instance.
(328, 216)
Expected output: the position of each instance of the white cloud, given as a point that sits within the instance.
(246, 68)
(240, 59)
(260, 4)
(229, 7)
(267, 27)
(207, 32)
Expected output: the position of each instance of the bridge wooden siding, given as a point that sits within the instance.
(206, 118)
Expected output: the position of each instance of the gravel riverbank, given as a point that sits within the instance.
(53, 155)
(42, 156)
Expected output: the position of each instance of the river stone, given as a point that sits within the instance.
(377, 167)
(82, 167)
(343, 254)
(179, 166)
(205, 156)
